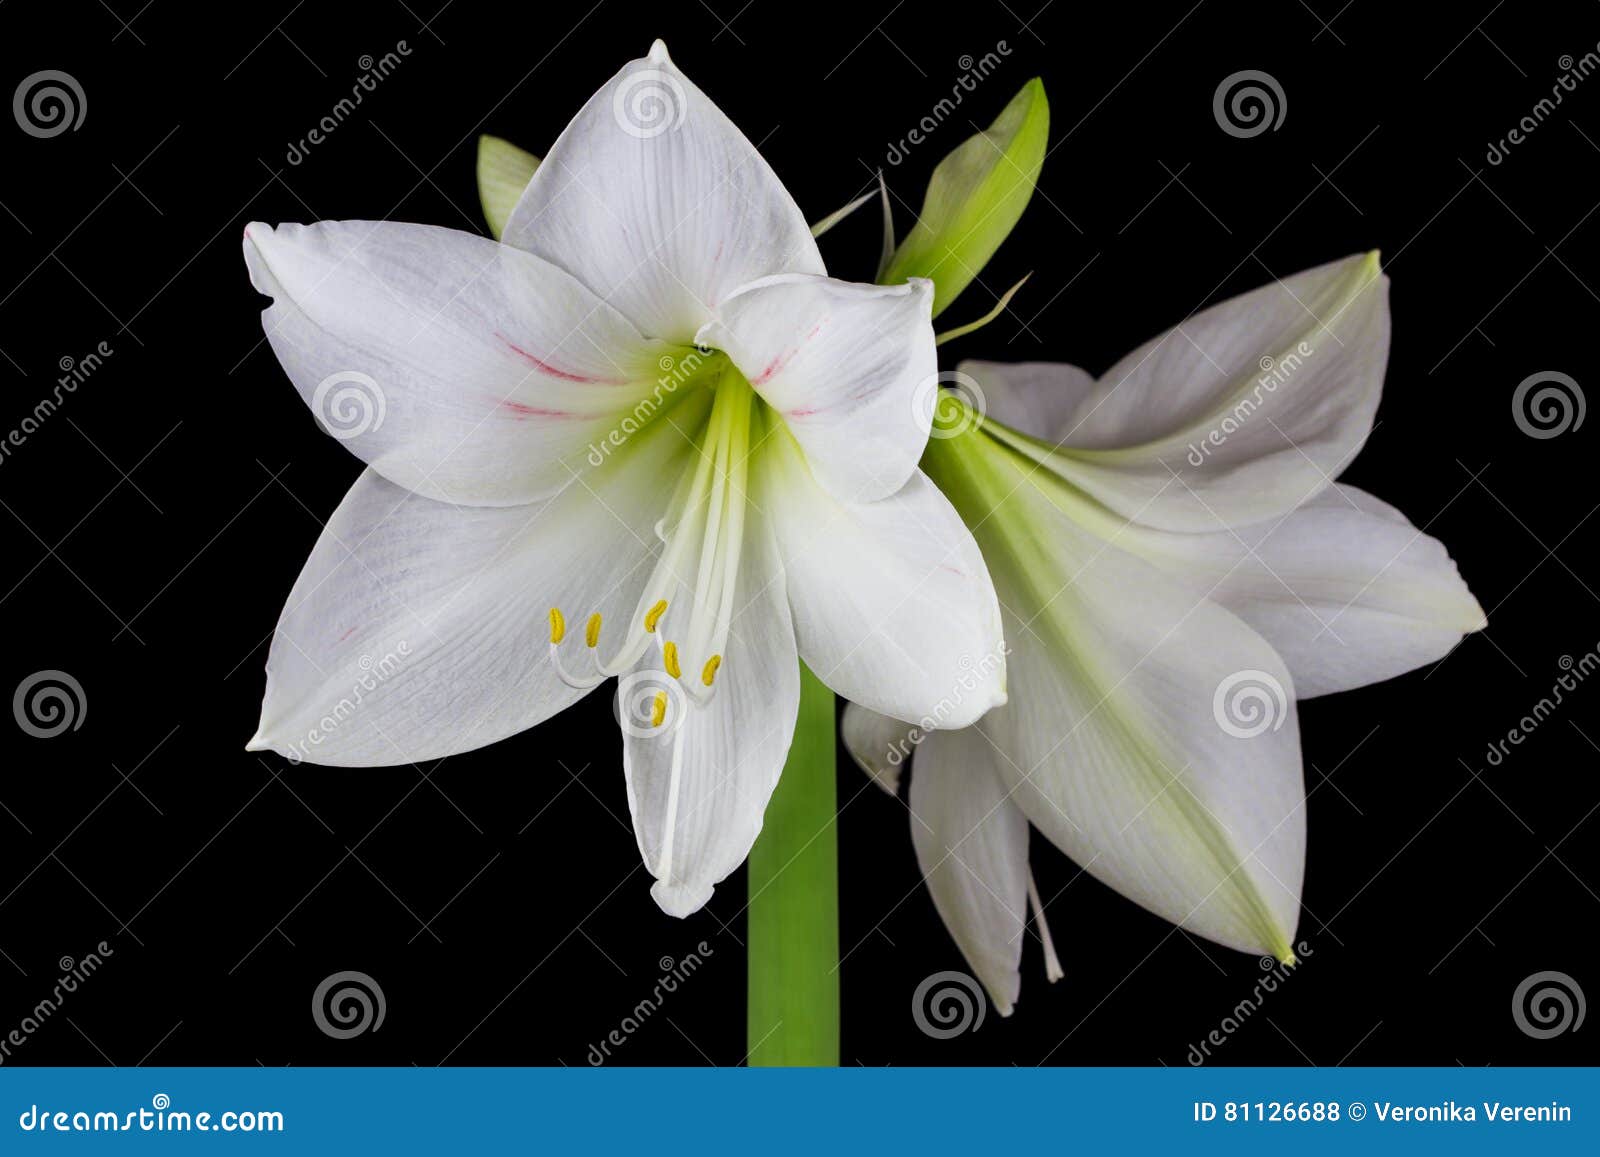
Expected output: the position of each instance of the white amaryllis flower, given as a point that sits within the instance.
(650, 413)
(1176, 566)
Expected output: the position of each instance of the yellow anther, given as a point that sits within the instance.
(653, 616)
(558, 625)
(591, 631)
(710, 671)
(658, 709)
(669, 660)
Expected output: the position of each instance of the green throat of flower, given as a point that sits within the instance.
(1000, 484)
(687, 604)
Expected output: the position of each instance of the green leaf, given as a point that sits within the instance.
(975, 197)
(792, 999)
(503, 172)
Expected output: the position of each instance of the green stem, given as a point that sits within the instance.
(793, 1000)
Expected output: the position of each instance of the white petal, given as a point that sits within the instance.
(419, 630)
(1344, 588)
(1123, 735)
(696, 826)
(972, 846)
(892, 602)
(846, 365)
(1034, 397)
(1242, 412)
(659, 204)
(880, 744)
(459, 368)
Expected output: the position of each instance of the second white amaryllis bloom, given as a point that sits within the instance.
(1177, 567)
(647, 437)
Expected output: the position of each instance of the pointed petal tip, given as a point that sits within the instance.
(258, 742)
(885, 776)
(658, 53)
(680, 900)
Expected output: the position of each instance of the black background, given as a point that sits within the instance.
(153, 526)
